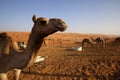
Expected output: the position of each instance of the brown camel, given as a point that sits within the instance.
(15, 60)
(86, 42)
(117, 41)
(100, 42)
(4, 40)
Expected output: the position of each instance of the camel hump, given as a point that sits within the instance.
(3, 35)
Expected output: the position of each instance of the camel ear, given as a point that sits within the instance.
(34, 18)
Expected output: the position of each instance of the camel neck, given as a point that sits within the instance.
(34, 44)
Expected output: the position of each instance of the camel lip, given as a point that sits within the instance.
(61, 28)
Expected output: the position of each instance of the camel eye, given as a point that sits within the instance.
(43, 22)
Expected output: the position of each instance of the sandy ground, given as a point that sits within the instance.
(63, 63)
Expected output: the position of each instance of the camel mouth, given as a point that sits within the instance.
(59, 24)
(61, 28)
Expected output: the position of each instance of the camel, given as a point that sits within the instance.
(15, 60)
(99, 41)
(117, 41)
(4, 43)
(86, 42)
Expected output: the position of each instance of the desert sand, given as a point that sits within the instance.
(63, 63)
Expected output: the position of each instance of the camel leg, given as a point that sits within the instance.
(3, 76)
(17, 73)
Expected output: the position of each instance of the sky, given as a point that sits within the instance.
(81, 16)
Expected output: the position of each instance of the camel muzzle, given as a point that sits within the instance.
(61, 28)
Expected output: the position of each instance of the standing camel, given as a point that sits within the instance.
(99, 42)
(86, 42)
(117, 41)
(15, 60)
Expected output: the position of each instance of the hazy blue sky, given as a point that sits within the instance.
(81, 16)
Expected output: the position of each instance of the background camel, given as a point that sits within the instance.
(16, 60)
(86, 42)
(100, 42)
(3, 38)
(113, 41)
(117, 41)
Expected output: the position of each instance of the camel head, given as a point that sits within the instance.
(45, 26)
